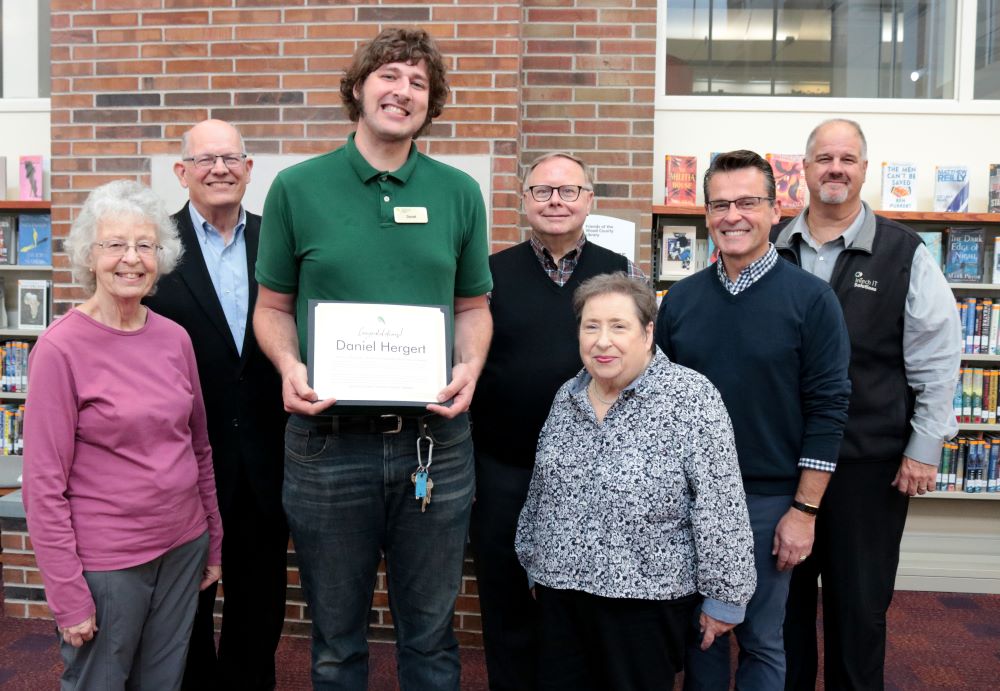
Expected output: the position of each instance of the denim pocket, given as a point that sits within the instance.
(304, 444)
(447, 432)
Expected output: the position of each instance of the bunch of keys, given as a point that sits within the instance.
(421, 479)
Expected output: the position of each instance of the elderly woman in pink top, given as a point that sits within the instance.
(118, 484)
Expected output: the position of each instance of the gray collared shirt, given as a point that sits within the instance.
(932, 335)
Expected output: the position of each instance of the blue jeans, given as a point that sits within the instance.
(762, 645)
(349, 499)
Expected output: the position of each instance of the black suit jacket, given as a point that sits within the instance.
(246, 419)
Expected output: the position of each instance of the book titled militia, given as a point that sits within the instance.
(788, 179)
(681, 180)
(964, 257)
(34, 240)
(951, 188)
(993, 201)
(899, 182)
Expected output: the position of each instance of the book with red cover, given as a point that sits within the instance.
(788, 179)
(681, 181)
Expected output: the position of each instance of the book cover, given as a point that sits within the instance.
(681, 181)
(3, 177)
(899, 181)
(32, 304)
(964, 258)
(789, 183)
(30, 178)
(8, 244)
(677, 252)
(933, 240)
(34, 240)
(951, 188)
(993, 198)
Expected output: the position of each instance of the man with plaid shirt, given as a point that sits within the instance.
(774, 342)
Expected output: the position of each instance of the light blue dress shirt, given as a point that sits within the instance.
(227, 267)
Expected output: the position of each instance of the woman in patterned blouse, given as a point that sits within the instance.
(635, 523)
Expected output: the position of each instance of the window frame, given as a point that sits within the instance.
(963, 103)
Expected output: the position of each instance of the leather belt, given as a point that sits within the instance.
(371, 424)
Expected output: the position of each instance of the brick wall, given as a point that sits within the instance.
(527, 76)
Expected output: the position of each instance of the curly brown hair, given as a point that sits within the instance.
(397, 45)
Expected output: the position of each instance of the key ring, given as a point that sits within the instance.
(430, 453)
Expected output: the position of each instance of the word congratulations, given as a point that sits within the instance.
(381, 347)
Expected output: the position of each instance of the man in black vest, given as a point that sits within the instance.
(534, 351)
(211, 294)
(905, 350)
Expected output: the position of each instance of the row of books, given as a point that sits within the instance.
(29, 178)
(899, 181)
(976, 397)
(970, 464)
(980, 319)
(961, 252)
(681, 180)
(12, 430)
(26, 239)
(14, 356)
(33, 304)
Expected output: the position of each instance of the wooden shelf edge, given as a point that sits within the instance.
(17, 205)
(976, 496)
(46, 268)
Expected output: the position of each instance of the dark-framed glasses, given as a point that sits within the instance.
(208, 160)
(568, 193)
(720, 207)
(118, 248)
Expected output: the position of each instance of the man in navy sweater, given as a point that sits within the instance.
(772, 339)
(534, 351)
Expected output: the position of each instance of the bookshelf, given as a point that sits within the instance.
(10, 274)
(952, 539)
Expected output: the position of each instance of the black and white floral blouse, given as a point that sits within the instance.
(646, 504)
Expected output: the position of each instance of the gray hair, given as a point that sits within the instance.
(619, 283)
(186, 140)
(117, 199)
(811, 141)
(560, 154)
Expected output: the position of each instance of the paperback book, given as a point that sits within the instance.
(681, 181)
(677, 252)
(8, 244)
(34, 240)
(788, 180)
(933, 240)
(30, 178)
(951, 189)
(993, 201)
(32, 304)
(964, 259)
(899, 182)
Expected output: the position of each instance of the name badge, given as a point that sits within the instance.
(410, 214)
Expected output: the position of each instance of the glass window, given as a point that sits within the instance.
(987, 84)
(813, 48)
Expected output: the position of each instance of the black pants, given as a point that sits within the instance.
(858, 532)
(254, 563)
(509, 612)
(590, 642)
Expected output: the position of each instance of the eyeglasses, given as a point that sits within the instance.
(118, 248)
(568, 193)
(208, 160)
(720, 207)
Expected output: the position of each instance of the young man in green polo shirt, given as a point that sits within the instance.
(376, 221)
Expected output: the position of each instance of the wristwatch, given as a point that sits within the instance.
(805, 508)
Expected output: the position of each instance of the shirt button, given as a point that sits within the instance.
(821, 258)
(384, 178)
(385, 198)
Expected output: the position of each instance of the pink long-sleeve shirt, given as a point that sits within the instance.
(117, 463)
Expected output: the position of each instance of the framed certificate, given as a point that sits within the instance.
(380, 355)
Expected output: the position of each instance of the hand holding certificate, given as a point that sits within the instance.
(367, 354)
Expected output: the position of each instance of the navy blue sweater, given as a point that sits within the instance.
(778, 353)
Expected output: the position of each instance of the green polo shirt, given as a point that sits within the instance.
(329, 233)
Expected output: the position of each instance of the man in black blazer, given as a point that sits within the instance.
(211, 294)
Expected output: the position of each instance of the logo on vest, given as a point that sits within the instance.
(865, 284)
